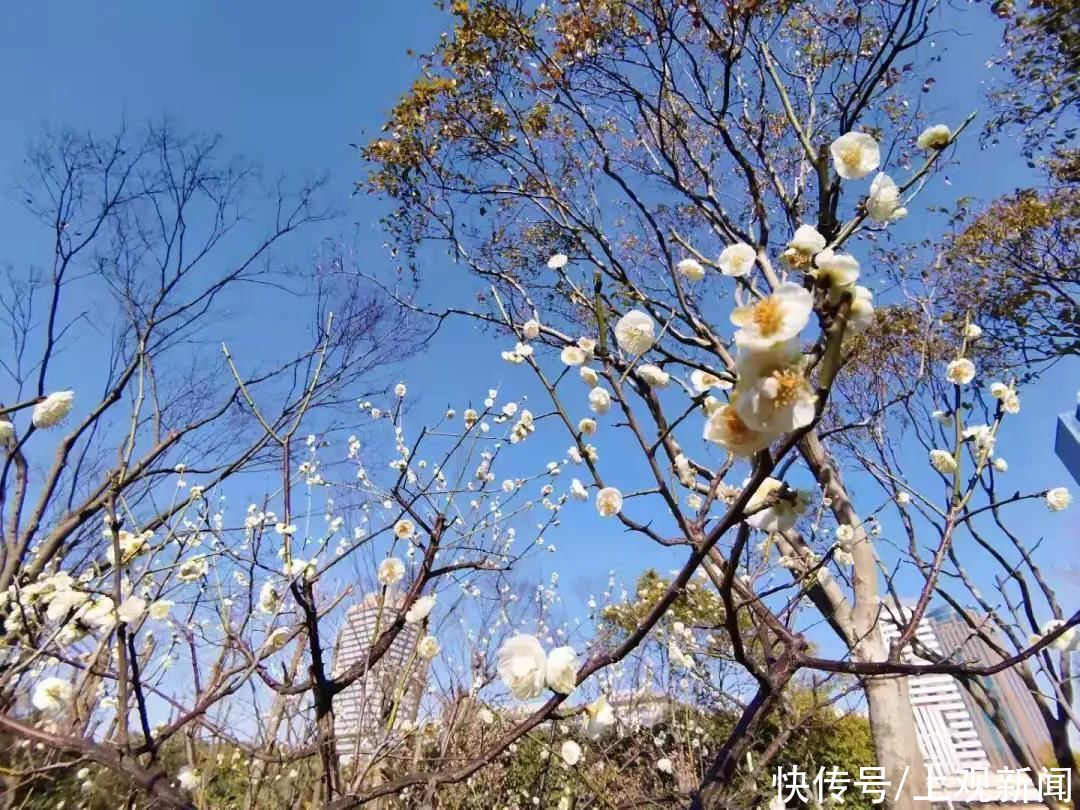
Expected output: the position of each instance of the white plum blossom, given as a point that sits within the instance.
(807, 240)
(277, 638)
(774, 319)
(691, 269)
(52, 410)
(960, 371)
(589, 376)
(935, 137)
(428, 647)
(570, 752)
(269, 598)
(587, 426)
(943, 462)
(159, 610)
(573, 356)
(973, 331)
(855, 155)
(773, 394)
(530, 330)
(599, 718)
(840, 270)
(400, 390)
(420, 609)
(52, 695)
(703, 381)
(558, 261)
(1058, 499)
(404, 529)
(782, 514)
(562, 667)
(522, 666)
(131, 609)
(609, 502)
(861, 313)
(883, 204)
(634, 332)
(189, 778)
(599, 400)
(654, 376)
(726, 428)
(7, 431)
(1001, 465)
(391, 570)
(737, 259)
(664, 765)
(578, 491)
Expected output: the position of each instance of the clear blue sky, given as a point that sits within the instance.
(290, 86)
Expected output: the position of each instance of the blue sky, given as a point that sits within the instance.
(291, 86)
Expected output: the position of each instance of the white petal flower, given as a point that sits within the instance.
(400, 390)
(726, 428)
(737, 259)
(52, 410)
(530, 330)
(427, 647)
(558, 261)
(1066, 642)
(599, 718)
(779, 517)
(654, 376)
(587, 426)
(807, 240)
(691, 269)
(855, 155)
(277, 638)
(131, 609)
(578, 491)
(7, 431)
(861, 313)
(570, 752)
(63, 602)
(903, 499)
(52, 695)
(634, 333)
(973, 331)
(609, 502)
(420, 609)
(703, 381)
(599, 400)
(391, 570)
(960, 371)
(404, 529)
(774, 319)
(935, 137)
(664, 765)
(269, 598)
(1001, 465)
(522, 666)
(883, 204)
(189, 779)
(562, 667)
(840, 270)
(573, 356)
(773, 394)
(159, 610)
(1058, 499)
(943, 462)
(589, 376)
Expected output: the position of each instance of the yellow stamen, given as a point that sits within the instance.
(768, 316)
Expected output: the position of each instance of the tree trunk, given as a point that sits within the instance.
(896, 743)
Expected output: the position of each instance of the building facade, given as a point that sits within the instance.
(372, 708)
(957, 738)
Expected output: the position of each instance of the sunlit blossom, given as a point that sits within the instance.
(522, 666)
(599, 718)
(570, 752)
(561, 672)
(774, 319)
(573, 356)
(609, 502)
(404, 529)
(52, 410)
(855, 155)
(937, 136)
(558, 261)
(726, 428)
(420, 609)
(703, 381)
(943, 462)
(653, 376)
(960, 371)
(391, 571)
(599, 400)
(691, 269)
(807, 240)
(783, 511)
(634, 332)
(883, 205)
(427, 647)
(737, 259)
(1058, 499)
(52, 695)
(773, 394)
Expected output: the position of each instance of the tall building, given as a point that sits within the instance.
(365, 716)
(956, 736)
